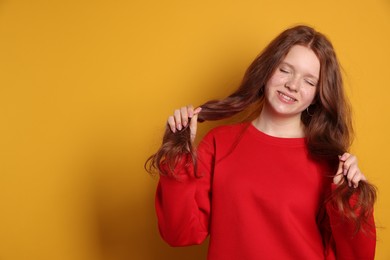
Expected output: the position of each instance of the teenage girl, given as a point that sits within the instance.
(281, 185)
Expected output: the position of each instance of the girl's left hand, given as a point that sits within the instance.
(348, 167)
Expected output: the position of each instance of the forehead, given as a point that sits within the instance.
(303, 60)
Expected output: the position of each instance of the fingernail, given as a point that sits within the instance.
(179, 127)
(185, 123)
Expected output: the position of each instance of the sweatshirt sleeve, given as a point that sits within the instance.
(348, 245)
(183, 203)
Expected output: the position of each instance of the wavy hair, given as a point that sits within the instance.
(328, 126)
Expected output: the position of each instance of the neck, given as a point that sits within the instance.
(279, 126)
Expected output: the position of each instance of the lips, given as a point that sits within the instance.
(286, 98)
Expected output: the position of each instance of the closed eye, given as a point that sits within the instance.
(310, 83)
(284, 70)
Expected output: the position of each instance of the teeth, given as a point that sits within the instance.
(286, 97)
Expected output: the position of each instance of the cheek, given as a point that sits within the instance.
(309, 94)
(275, 80)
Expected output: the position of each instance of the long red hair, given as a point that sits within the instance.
(328, 124)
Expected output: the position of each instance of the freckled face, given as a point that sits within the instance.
(292, 87)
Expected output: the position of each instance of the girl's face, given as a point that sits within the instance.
(292, 87)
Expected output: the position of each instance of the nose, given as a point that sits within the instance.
(292, 84)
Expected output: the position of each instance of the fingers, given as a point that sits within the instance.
(184, 116)
(350, 169)
(348, 165)
(181, 119)
(171, 124)
(193, 127)
(197, 110)
(338, 178)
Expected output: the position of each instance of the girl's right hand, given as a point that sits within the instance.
(183, 117)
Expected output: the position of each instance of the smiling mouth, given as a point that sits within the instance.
(286, 97)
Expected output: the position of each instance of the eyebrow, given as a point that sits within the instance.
(291, 66)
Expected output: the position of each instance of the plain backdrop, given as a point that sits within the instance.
(86, 87)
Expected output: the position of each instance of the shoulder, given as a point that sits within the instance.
(221, 139)
(226, 131)
(223, 136)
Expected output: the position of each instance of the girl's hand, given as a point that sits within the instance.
(348, 167)
(183, 117)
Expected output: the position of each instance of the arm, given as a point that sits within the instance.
(349, 244)
(183, 202)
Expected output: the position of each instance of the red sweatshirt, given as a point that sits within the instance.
(258, 198)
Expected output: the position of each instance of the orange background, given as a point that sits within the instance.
(86, 87)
